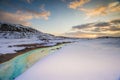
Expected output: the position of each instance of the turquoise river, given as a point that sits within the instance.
(11, 69)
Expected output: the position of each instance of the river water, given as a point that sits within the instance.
(16, 66)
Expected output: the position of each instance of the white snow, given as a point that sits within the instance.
(6, 49)
(7, 45)
(84, 60)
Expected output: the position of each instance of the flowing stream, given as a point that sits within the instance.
(16, 66)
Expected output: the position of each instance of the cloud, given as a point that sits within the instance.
(82, 26)
(116, 21)
(97, 11)
(64, 1)
(77, 3)
(94, 12)
(102, 24)
(22, 17)
(29, 1)
(22, 14)
(115, 6)
(14, 18)
(97, 29)
(102, 10)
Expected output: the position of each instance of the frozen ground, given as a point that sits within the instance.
(84, 60)
(7, 45)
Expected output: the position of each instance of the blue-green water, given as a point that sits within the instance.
(13, 68)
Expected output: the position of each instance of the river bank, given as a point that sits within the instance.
(14, 67)
(29, 47)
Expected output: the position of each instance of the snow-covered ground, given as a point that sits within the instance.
(97, 59)
(8, 45)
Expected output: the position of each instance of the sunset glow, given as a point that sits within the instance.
(93, 18)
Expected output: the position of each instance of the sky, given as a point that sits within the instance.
(72, 18)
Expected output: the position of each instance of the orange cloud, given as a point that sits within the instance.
(20, 17)
(95, 12)
(14, 18)
(102, 10)
(76, 4)
(113, 7)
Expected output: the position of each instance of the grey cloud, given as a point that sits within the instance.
(102, 24)
(82, 26)
(116, 21)
(96, 29)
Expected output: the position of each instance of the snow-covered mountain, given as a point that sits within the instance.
(16, 37)
(17, 31)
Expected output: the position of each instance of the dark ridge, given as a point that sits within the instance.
(7, 27)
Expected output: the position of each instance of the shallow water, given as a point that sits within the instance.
(84, 60)
(13, 68)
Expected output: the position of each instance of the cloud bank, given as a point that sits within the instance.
(22, 14)
(22, 17)
(102, 10)
(97, 11)
(97, 29)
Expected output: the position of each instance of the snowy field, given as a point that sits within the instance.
(8, 45)
(97, 59)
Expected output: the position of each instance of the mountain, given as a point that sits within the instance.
(17, 31)
(16, 37)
